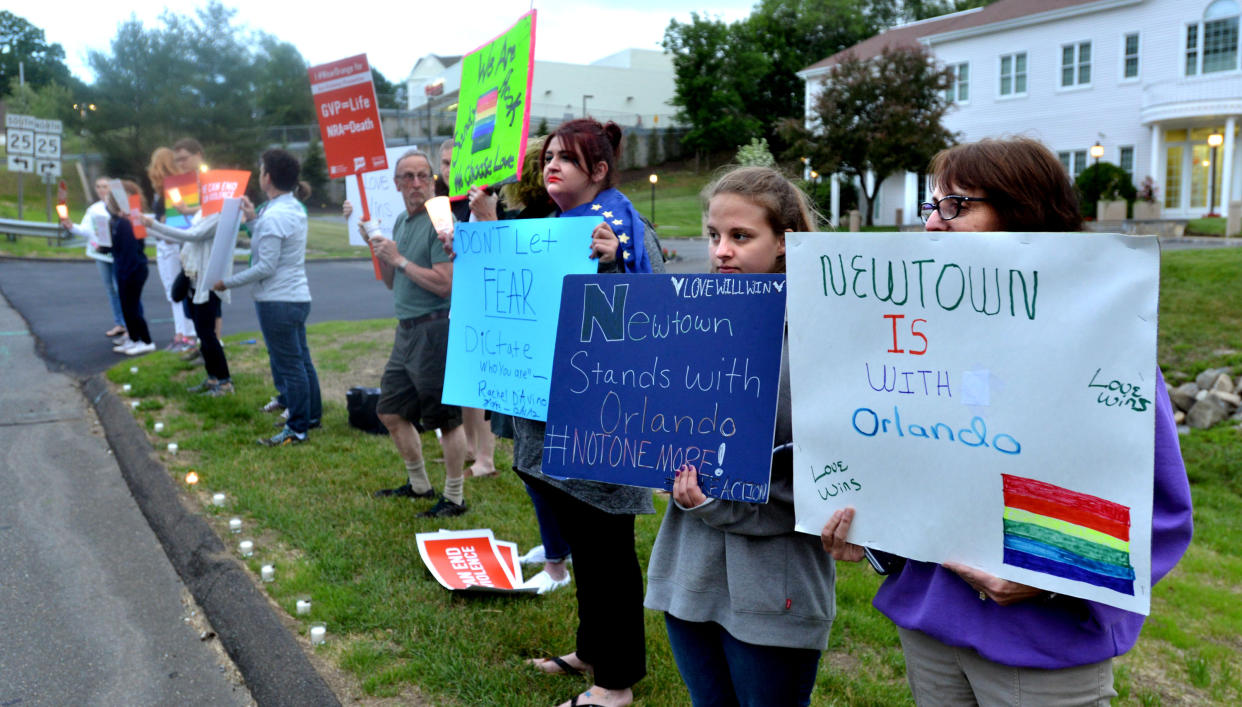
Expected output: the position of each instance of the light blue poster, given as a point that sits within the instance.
(506, 301)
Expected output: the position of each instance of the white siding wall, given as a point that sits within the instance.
(1071, 119)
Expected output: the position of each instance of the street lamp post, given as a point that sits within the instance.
(653, 179)
(1214, 141)
(435, 88)
(1097, 151)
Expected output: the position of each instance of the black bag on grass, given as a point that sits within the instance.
(360, 402)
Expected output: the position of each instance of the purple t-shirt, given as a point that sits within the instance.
(1060, 632)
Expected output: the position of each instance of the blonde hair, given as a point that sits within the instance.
(162, 166)
(528, 189)
(786, 207)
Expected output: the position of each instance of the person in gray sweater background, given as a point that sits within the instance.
(748, 601)
(281, 293)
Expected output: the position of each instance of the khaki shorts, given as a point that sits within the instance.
(413, 380)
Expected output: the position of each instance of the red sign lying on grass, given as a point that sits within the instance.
(471, 560)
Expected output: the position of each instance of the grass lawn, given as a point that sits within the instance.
(395, 634)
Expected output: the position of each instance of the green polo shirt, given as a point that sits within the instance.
(416, 240)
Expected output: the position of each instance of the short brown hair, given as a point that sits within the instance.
(188, 144)
(1023, 181)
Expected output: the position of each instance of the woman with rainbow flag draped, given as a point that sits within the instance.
(970, 637)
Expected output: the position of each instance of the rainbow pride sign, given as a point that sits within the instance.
(485, 121)
(1073, 535)
(493, 114)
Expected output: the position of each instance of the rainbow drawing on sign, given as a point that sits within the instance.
(1068, 534)
(484, 121)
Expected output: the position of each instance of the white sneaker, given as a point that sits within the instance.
(122, 340)
(535, 556)
(123, 348)
(544, 583)
(137, 349)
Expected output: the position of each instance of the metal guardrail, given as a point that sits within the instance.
(51, 231)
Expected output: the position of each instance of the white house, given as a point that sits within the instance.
(1148, 80)
(632, 87)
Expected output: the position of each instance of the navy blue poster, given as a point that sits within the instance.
(655, 371)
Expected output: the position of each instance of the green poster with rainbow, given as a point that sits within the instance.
(493, 109)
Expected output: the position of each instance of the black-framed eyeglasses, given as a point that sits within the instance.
(411, 176)
(949, 207)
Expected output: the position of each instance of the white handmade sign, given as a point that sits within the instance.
(983, 398)
(219, 266)
(385, 202)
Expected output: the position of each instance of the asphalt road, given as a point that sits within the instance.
(65, 306)
(91, 611)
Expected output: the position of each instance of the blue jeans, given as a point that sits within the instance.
(721, 671)
(555, 546)
(114, 299)
(284, 331)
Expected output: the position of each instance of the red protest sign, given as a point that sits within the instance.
(471, 560)
(349, 122)
(135, 216)
(219, 184)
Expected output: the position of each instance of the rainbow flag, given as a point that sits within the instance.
(484, 121)
(1073, 535)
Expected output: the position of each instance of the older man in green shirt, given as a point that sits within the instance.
(415, 266)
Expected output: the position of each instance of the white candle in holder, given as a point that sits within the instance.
(303, 607)
(134, 404)
(172, 447)
(441, 213)
(318, 633)
(127, 387)
(217, 499)
(234, 525)
(133, 369)
(267, 572)
(246, 547)
(159, 427)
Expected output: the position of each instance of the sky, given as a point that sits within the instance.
(575, 31)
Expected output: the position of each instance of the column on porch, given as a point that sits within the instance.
(1227, 191)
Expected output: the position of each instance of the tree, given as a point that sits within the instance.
(282, 96)
(315, 170)
(737, 81)
(386, 92)
(41, 63)
(190, 77)
(710, 67)
(877, 116)
(794, 34)
(913, 10)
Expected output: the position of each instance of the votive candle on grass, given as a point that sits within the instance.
(246, 547)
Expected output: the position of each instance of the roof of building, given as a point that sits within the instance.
(908, 35)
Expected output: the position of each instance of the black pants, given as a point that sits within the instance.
(204, 316)
(129, 291)
(609, 583)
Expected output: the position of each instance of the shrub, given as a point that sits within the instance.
(1103, 180)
